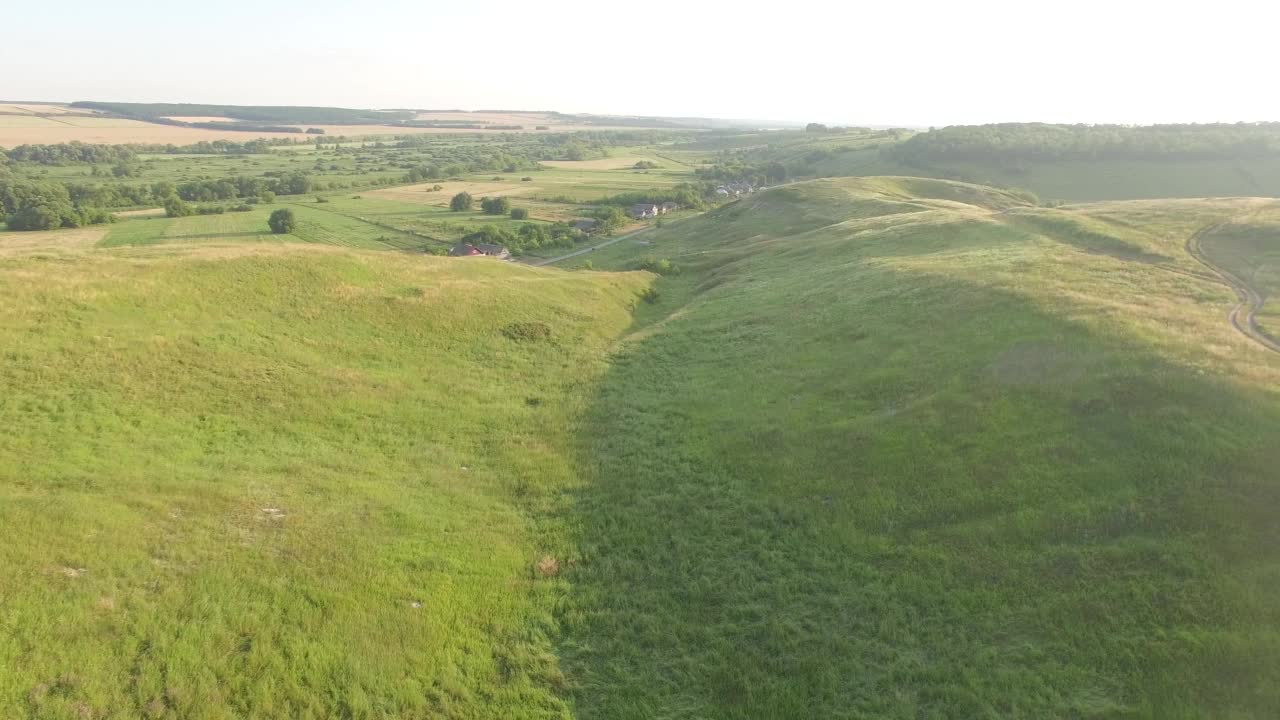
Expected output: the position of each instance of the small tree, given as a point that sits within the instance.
(282, 221)
(495, 206)
(267, 197)
(461, 202)
(519, 214)
(175, 206)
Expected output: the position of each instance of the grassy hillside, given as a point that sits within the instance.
(286, 481)
(882, 447)
(875, 453)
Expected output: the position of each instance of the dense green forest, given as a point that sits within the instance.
(1006, 143)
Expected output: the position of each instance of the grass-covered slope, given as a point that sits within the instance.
(884, 447)
(286, 481)
(875, 452)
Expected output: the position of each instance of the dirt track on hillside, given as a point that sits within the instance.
(1243, 316)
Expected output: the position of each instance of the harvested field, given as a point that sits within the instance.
(145, 212)
(40, 109)
(26, 243)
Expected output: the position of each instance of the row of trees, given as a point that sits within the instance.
(686, 195)
(75, 152)
(528, 236)
(72, 152)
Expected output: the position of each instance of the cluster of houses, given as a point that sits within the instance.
(649, 210)
(735, 189)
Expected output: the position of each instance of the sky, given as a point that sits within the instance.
(921, 63)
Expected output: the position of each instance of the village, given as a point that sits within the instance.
(588, 226)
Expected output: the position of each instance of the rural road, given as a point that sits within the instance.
(1243, 315)
(586, 250)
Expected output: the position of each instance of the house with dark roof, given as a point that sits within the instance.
(667, 207)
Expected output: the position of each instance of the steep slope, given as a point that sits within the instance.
(286, 481)
(890, 448)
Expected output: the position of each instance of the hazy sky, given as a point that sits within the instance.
(922, 63)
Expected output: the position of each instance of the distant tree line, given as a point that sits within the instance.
(47, 205)
(72, 152)
(1011, 144)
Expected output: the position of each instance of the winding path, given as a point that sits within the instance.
(1243, 316)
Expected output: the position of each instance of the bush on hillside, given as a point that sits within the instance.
(282, 221)
(495, 206)
(175, 206)
(461, 202)
(519, 214)
(662, 266)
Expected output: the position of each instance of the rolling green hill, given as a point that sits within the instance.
(870, 447)
(928, 459)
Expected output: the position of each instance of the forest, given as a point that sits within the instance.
(1007, 143)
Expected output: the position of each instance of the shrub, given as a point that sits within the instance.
(322, 199)
(175, 206)
(519, 214)
(210, 210)
(527, 331)
(461, 202)
(495, 206)
(646, 165)
(526, 178)
(267, 197)
(662, 266)
(242, 207)
(650, 295)
(282, 221)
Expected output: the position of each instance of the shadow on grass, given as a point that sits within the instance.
(845, 492)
